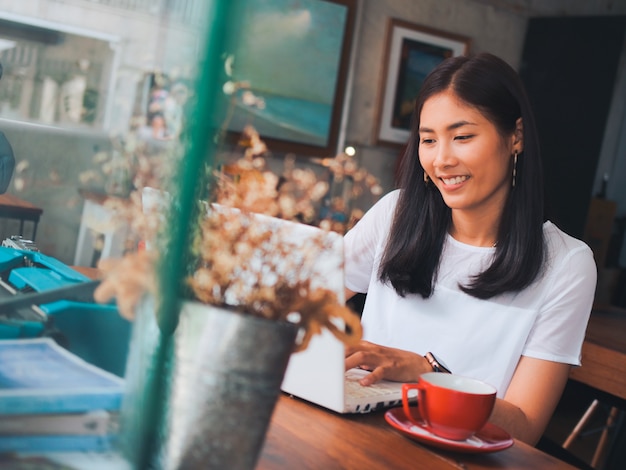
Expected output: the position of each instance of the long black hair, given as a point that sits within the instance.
(422, 219)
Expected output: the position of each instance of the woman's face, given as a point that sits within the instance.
(464, 155)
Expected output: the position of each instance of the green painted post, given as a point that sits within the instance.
(172, 267)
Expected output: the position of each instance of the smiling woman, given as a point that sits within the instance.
(471, 164)
(462, 253)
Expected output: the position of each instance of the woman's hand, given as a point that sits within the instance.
(386, 363)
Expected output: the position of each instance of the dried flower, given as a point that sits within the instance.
(127, 279)
(248, 264)
(238, 262)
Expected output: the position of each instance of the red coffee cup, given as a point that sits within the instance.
(449, 405)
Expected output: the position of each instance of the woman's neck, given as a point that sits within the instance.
(473, 229)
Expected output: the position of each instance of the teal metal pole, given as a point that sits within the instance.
(200, 154)
(172, 267)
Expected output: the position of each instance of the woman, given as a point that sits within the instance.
(459, 262)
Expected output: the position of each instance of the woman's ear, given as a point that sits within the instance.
(518, 136)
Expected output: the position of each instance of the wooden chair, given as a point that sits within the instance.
(604, 437)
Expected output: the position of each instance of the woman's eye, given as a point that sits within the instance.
(463, 137)
(427, 141)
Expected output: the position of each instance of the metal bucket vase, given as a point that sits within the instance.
(223, 379)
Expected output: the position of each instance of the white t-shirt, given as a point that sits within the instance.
(477, 338)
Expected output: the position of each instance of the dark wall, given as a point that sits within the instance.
(569, 67)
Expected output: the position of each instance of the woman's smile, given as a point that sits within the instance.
(453, 180)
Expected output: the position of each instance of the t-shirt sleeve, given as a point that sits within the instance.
(364, 242)
(559, 330)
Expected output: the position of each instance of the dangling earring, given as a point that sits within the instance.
(514, 168)
(426, 179)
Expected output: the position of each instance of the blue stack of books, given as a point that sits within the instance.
(51, 400)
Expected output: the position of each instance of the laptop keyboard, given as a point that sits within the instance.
(355, 389)
(373, 397)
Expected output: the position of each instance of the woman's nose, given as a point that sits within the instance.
(444, 156)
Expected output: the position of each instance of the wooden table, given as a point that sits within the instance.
(604, 352)
(305, 436)
(12, 207)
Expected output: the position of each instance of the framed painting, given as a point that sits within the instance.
(412, 52)
(289, 69)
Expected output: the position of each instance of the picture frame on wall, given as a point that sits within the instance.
(412, 52)
(290, 64)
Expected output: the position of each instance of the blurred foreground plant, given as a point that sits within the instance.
(227, 240)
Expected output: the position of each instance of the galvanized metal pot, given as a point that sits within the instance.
(223, 379)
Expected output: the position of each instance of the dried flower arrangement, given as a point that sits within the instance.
(223, 275)
(227, 240)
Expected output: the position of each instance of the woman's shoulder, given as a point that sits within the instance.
(378, 218)
(386, 205)
(391, 198)
(564, 246)
(557, 238)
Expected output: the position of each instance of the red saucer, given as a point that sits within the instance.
(490, 438)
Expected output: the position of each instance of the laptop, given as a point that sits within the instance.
(318, 374)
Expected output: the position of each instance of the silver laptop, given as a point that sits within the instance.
(318, 374)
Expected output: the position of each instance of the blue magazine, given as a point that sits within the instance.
(39, 376)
